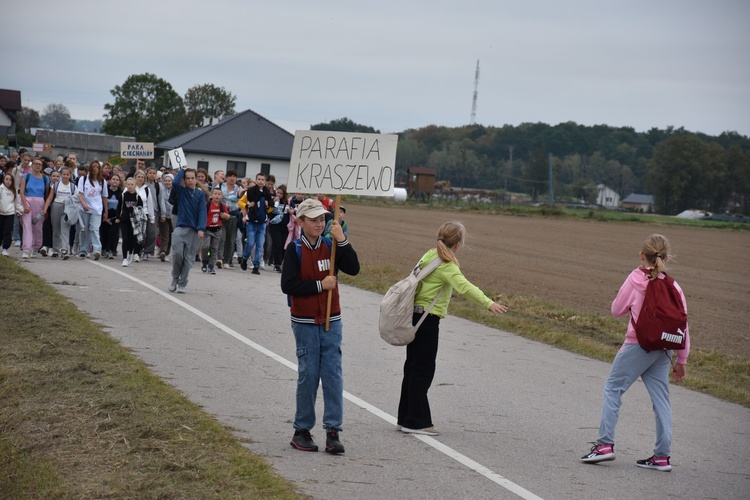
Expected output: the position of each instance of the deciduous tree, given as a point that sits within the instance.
(344, 125)
(207, 100)
(147, 108)
(57, 117)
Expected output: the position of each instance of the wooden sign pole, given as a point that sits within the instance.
(333, 262)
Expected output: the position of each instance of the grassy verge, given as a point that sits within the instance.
(81, 417)
(595, 336)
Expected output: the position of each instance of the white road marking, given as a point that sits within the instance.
(431, 441)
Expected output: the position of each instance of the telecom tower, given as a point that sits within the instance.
(474, 101)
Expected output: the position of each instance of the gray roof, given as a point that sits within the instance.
(246, 134)
(641, 199)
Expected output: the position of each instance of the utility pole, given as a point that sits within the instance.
(474, 102)
(551, 185)
(510, 167)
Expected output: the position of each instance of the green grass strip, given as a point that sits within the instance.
(82, 417)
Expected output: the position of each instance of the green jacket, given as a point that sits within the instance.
(449, 275)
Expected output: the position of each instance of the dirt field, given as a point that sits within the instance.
(574, 263)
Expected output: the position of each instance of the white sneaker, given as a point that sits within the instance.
(97, 255)
(124, 262)
(24, 255)
(43, 251)
(136, 257)
(145, 257)
(34, 255)
(427, 431)
(5, 252)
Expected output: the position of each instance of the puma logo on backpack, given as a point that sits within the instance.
(662, 321)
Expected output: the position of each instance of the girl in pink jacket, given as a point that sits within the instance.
(632, 361)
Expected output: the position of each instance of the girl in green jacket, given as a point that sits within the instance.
(419, 369)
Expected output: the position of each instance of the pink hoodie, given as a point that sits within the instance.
(630, 299)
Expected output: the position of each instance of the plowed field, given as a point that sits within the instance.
(574, 263)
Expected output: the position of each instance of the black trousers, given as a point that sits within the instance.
(419, 370)
(6, 230)
(279, 232)
(47, 233)
(110, 236)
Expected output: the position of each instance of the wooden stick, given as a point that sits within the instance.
(333, 262)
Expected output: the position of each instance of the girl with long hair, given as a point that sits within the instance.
(414, 416)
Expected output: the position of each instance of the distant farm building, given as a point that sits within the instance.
(421, 182)
(639, 202)
(607, 197)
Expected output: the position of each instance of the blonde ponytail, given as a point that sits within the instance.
(656, 251)
(448, 235)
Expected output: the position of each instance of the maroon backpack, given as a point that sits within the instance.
(662, 320)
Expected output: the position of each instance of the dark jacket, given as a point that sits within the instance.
(263, 199)
(305, 266)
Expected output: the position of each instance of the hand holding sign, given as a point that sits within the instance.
(177, 158)
(326, 162)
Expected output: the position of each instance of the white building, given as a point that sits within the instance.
(245, 142)
(606, 197)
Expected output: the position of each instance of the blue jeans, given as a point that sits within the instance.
(256, 236)
(319, 360)
(89, 227)
(653, 368)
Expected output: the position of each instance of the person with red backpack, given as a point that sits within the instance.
(648, 294)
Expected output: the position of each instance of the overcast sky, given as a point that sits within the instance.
(396, 65)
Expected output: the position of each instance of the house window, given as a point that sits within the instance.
(265, 169)
(239, 166)
(203, 164)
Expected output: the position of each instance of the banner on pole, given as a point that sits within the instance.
(325, 162)
(137, 150)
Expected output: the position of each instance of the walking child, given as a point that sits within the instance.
(10, 207)
(217, 212)
(57, 199)
(632, 361)
(191, 225)
(130, 225)
(414, 416)
(306, 279)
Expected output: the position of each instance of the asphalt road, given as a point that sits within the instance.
(515, 415)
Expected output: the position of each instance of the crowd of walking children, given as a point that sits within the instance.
(58, 209)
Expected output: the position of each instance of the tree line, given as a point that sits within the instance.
(681, 169)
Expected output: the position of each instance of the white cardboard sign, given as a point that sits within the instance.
(325, 162)
(177, 158)
(137, 150)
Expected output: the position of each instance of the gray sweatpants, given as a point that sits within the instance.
(185, 244)
(210, 247)
(60, 228)
(653, 368)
